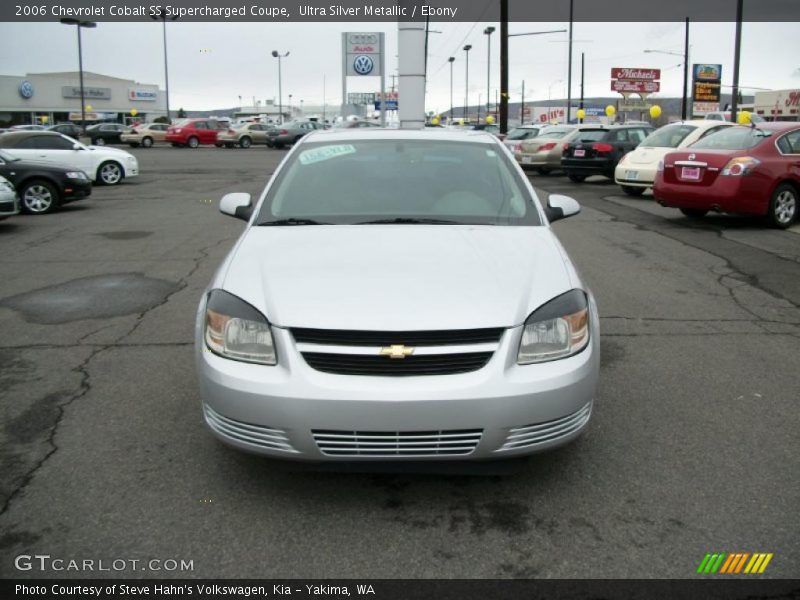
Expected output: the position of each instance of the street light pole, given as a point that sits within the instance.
(737, 54)
(279, 56)
(488, 31)
(467, 48)
(162, 16)
(583, 56)
(451, 60)
(88, 24)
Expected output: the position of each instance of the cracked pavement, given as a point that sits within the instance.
(692, 446)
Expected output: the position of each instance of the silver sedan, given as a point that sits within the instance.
(397, 295)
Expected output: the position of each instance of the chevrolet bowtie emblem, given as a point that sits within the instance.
(397, 351)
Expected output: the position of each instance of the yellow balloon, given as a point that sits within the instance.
(581, 114)
(435, 121)
(134, 112)
(655, 111)
(45, 119)
(610, 111)
(743, 117)
(88, 107)
(489, 119)
(461, 121)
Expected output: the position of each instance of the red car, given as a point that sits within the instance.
(194, 132)
(749, 170)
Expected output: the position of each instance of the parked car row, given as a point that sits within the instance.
(48, 169)
(696, 166)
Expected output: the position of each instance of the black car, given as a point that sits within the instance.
(105, 133)
(43, 187)
(597, 151)
(69, 129)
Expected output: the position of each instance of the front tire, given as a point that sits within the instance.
(38, 197)
(110, 173)
(783, 206)
(633, 191)
(576, 177)
(694, 213)
(147, 142)
(245, 142)
(193, 142)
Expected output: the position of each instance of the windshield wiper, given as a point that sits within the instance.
(294, 221)
(410, 221)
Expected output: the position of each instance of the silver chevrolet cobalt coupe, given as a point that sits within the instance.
(397, 295)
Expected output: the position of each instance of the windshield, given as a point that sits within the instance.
(521, 133)
(402, 181)
(668, 137)
(181, 122)
(733, 138)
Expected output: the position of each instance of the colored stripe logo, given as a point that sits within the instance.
(734, 563)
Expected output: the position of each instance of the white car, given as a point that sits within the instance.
(397, 295)
(637, 170)
(9, 201)
(107, 166)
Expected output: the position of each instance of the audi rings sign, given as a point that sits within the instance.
(363, 54)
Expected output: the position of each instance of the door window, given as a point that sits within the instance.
(621, 135)
(52, 142)
(26, 144)
(200, 125)
(790, 143)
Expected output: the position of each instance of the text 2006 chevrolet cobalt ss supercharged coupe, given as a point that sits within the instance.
(397, 295)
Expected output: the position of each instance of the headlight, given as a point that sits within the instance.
(236, 330)
(4, 185)
(76, 175)
(558, 329)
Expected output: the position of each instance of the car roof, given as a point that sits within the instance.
(381, 133)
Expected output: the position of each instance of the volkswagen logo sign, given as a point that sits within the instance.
(26, 89)
(363, 64)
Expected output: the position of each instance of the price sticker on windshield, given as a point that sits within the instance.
(315, 155)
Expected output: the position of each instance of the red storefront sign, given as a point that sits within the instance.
(635, 74)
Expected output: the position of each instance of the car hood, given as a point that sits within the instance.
(397, 277)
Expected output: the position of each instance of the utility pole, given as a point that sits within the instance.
(522, 106)
(569, 62)
(488, 32)
(582, 71)
(685, 99)
(503, 66)
(737, 52)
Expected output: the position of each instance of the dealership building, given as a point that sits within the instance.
(48, 98)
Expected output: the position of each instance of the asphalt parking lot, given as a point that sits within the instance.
(692, 447)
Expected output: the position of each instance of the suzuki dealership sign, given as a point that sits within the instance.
(138, 94)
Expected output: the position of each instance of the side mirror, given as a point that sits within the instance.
(561, 207)
(236, 204)
(77, 147)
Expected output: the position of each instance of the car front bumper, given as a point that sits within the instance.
(76, 189)
(587, 166)
(9, 204)
(293, 411)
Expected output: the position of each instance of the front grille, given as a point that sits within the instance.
(255, 435)
(394, 444)
(426, 364)
(445, 337)
(6, 207)
(538, 433)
